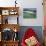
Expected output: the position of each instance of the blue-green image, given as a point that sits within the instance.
(29, 13)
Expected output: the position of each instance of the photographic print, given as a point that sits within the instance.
(29, 13)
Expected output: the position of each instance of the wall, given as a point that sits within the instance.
(45, 20)
(33, 4)
(27, 4)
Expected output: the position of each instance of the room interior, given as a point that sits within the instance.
(16, 16)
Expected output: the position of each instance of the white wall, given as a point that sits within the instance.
(27, 4)
(33, 4)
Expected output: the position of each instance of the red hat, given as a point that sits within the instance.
(29, 33)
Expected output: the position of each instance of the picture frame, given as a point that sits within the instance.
(29, 13)
(5, 12)
(12, 12)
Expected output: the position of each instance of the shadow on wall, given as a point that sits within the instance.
(38, 30)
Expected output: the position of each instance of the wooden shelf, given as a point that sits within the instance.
(5, 12)
(10, 9)
(4, 8)
(9, 43)
(4, 24)
(10, 26)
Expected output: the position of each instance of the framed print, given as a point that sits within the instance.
(5, 12)
(13, 12)
(29, 12)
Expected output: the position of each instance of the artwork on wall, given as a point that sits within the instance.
(29, 13)
(5, 12)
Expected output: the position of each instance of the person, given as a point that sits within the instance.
(30, 38)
